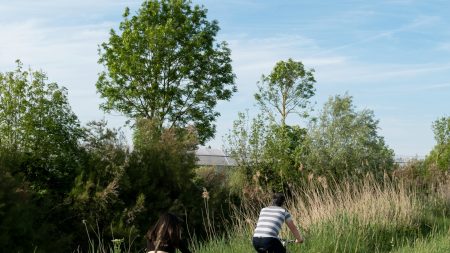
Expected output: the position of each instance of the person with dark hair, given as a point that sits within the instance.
(166, 236)
(271, 218)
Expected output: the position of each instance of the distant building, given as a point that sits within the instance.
(403, 160)
(213, 157)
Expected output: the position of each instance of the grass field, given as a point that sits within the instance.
(346, 217)
(367, 217)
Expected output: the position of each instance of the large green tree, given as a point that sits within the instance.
(166, 65)
(344, 142)
(287, 89)
(36, 120)
(267, 150)
(39, 159)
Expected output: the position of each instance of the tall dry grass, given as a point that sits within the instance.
(364, 216)
(368, 201)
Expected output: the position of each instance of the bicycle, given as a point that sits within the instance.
(286, 242)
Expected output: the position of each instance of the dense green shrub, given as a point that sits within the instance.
(39, 159)
(439, 157)
(343, 142)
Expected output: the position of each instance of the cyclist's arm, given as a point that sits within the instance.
(294, 230)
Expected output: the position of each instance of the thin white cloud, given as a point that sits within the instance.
(445, 46)
(432, 87)
(254, 57)
(402, 2)
(230, 3)
(419, 22)
(368, 73)
(66, 5)
(404, 70)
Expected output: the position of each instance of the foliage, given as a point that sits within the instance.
(217, 198)
(96, 189)
(418, 174)
(245, 143)
(29, 216)
(266, 152)
(15, 211)
(284, 145)
(439, 157)
(246, 139)
(36, 120)
(159, 177)
(124, 192)
(344, 142)
(166, 66)
(39, 159)
(56, 176)
(365, 216)
(286, 89)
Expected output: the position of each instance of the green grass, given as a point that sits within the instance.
(237, 243)
(345, 234)
(389, 219)
(436, 243)
(354, 218)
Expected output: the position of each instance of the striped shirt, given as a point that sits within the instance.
(270, 220)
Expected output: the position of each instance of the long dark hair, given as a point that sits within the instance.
(166, 231)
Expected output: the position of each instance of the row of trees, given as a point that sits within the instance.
(340, 142)
(165, 70)
(56, 175)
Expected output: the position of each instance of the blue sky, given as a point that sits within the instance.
(393, 57)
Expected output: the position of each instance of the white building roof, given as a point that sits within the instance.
(213, 157)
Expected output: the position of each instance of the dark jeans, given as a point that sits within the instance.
(268, 245)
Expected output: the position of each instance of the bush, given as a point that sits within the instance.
(439, 157)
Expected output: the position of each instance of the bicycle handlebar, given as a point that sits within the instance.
(286, 241)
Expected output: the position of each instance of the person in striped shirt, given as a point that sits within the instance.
(271, 218)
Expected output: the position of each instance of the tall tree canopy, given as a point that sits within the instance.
(166, 65)
(286, 89)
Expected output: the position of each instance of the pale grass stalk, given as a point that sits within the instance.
(368, 202)
(443, 190)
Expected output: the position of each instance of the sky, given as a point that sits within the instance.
(393, 56)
